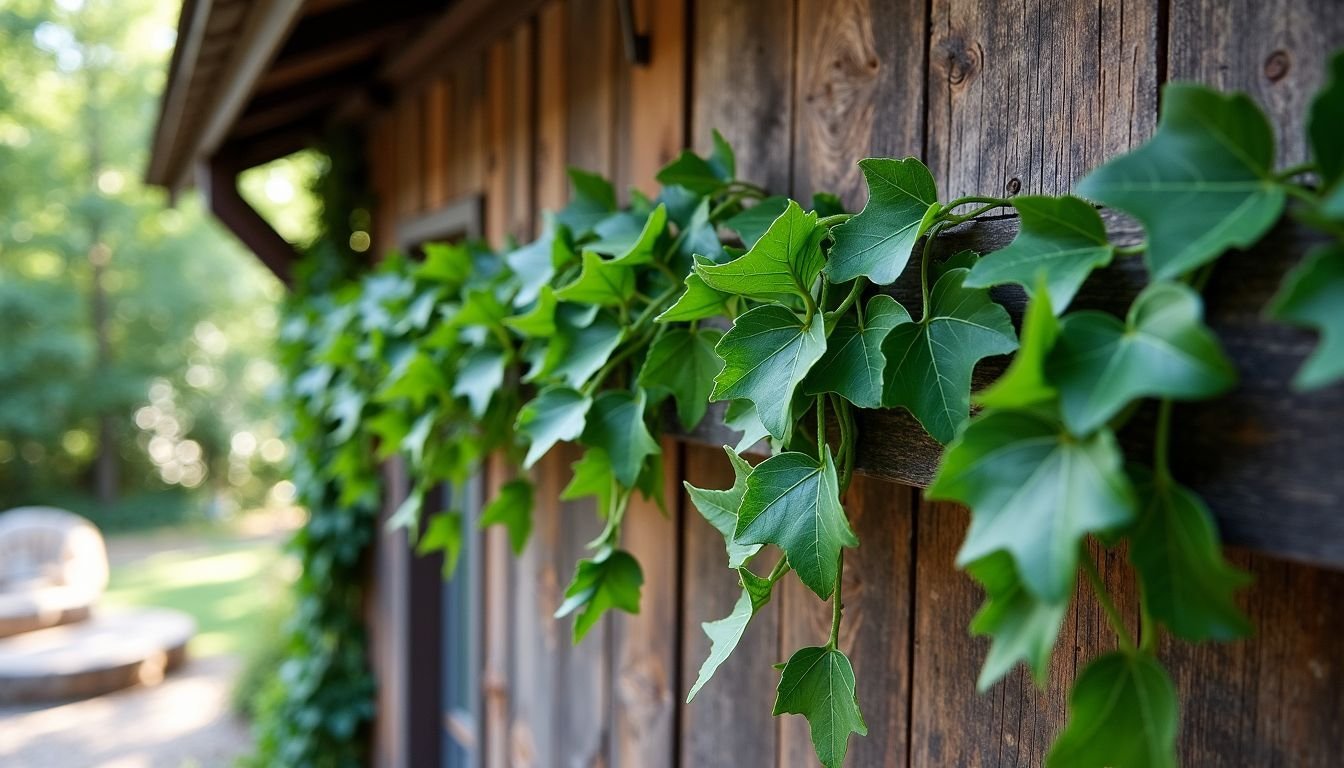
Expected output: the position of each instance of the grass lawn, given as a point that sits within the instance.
(234, 587)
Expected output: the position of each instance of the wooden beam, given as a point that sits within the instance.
(191, 27)
(218, 180)
(466, 28)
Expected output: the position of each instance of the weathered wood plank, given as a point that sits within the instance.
(522, 132)
(409, 161)
(645, 687)
(550, 182)
(1277, 699)
(498, 652)
(437, 98)
(499, 104)
(592, 50)
(467, 152)
(1276, 52)
(657, 102)
(730, 715)
(1027, 97)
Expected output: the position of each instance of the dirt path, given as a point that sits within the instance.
(182, 722)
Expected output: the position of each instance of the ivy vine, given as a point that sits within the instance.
(587, 332)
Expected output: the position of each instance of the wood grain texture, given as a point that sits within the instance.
(1276, 699)
(409, 146)
(657, 103)
(644, 651)
(742, 57)
(466, 154)
(437, 98)
(521, 133)
(876, 628)
(498, 651)
(858, 89)
(1029, 96)
(499, 103)
(592, 51)
(551, 185)
(731, 714)
(1276, 52)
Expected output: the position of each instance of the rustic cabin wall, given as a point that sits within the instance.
(999, 98)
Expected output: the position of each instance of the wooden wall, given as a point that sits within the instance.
(998, 97)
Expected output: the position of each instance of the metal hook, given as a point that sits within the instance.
(636, 43)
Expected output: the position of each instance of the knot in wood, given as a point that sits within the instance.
(1014, 186)
(964, 60)
(1277, 65)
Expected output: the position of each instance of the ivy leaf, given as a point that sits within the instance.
(720, 508)
(722, 159)
(416, 437)
(601, 282)
(1061, 237)
(1023, 627)
(766, 354)
(700, 237)
(1313, 295)
(741, 416)
(1024, 382)
(416, 379)
(594, 199)
(697, 302)
(535, 263)
(635, 245)
(1323, 122)
(539, 321)
(1163, 350)
(445, 263)
(853, 364)
(876, 243)
(693, 172)
(579, 349)
(783, 263)
(1034, 492)
(592, 476)
(1187, 583)
(1122, 714)
(753, 222)
(558, 413)
(512, 508)
(929, 363)
(612, 579)
(726, 633)
(1204, 183)
(683, 362)
(479, 376)
(827, 203)
(444, 534)
(818, 683)
(616, 425)
(793, 502)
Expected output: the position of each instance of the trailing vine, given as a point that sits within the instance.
(583, 334)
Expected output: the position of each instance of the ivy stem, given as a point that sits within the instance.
(993, 202)
(729, 201)
(1302, 193)
(781, 568)
(1131, 250)
(1107, 606)
(850, 298)
(952, 221)
(1148, 629)
(1295, 170)
(821, 426)
(834, 219)
(847, 441)
(924, 269)
(1161, 466)
(836, 603)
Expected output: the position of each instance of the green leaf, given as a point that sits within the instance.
(1323, 125)
(876, 243)
(479, 376)
(753, 222)
(539, 321)
(512, 508)
(1163, 349)
(722, 160)
(693, 172)
(558, 413)
(683, 362)
(741, 416)
(818, 683)
(1204, 183)
(445, 262)
(616, 425)
(1035, 492)
(444, 534)
(1187, 584)
(793, 502)
(535, 263)
(1313, 295)
(726, 633)
(416, 379)
(766, 354)
(929, 363)
(601, 282)
(697, 302)
(579, 349)
(612, 579)
(1122, 714)
(1062, 238)
(1024, 382)
(1023, 627)
(634, 245)
(594, 199)
(784, 262)
(700, 238)
(853, 364)
(720, 509)
(592, 476)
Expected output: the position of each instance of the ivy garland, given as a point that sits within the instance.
(612, 311)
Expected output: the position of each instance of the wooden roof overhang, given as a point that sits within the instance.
(255, 80)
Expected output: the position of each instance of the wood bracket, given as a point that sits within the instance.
(637, 44)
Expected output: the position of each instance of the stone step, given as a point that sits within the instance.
(109, 651)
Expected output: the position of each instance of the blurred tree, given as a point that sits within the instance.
(134, 339)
